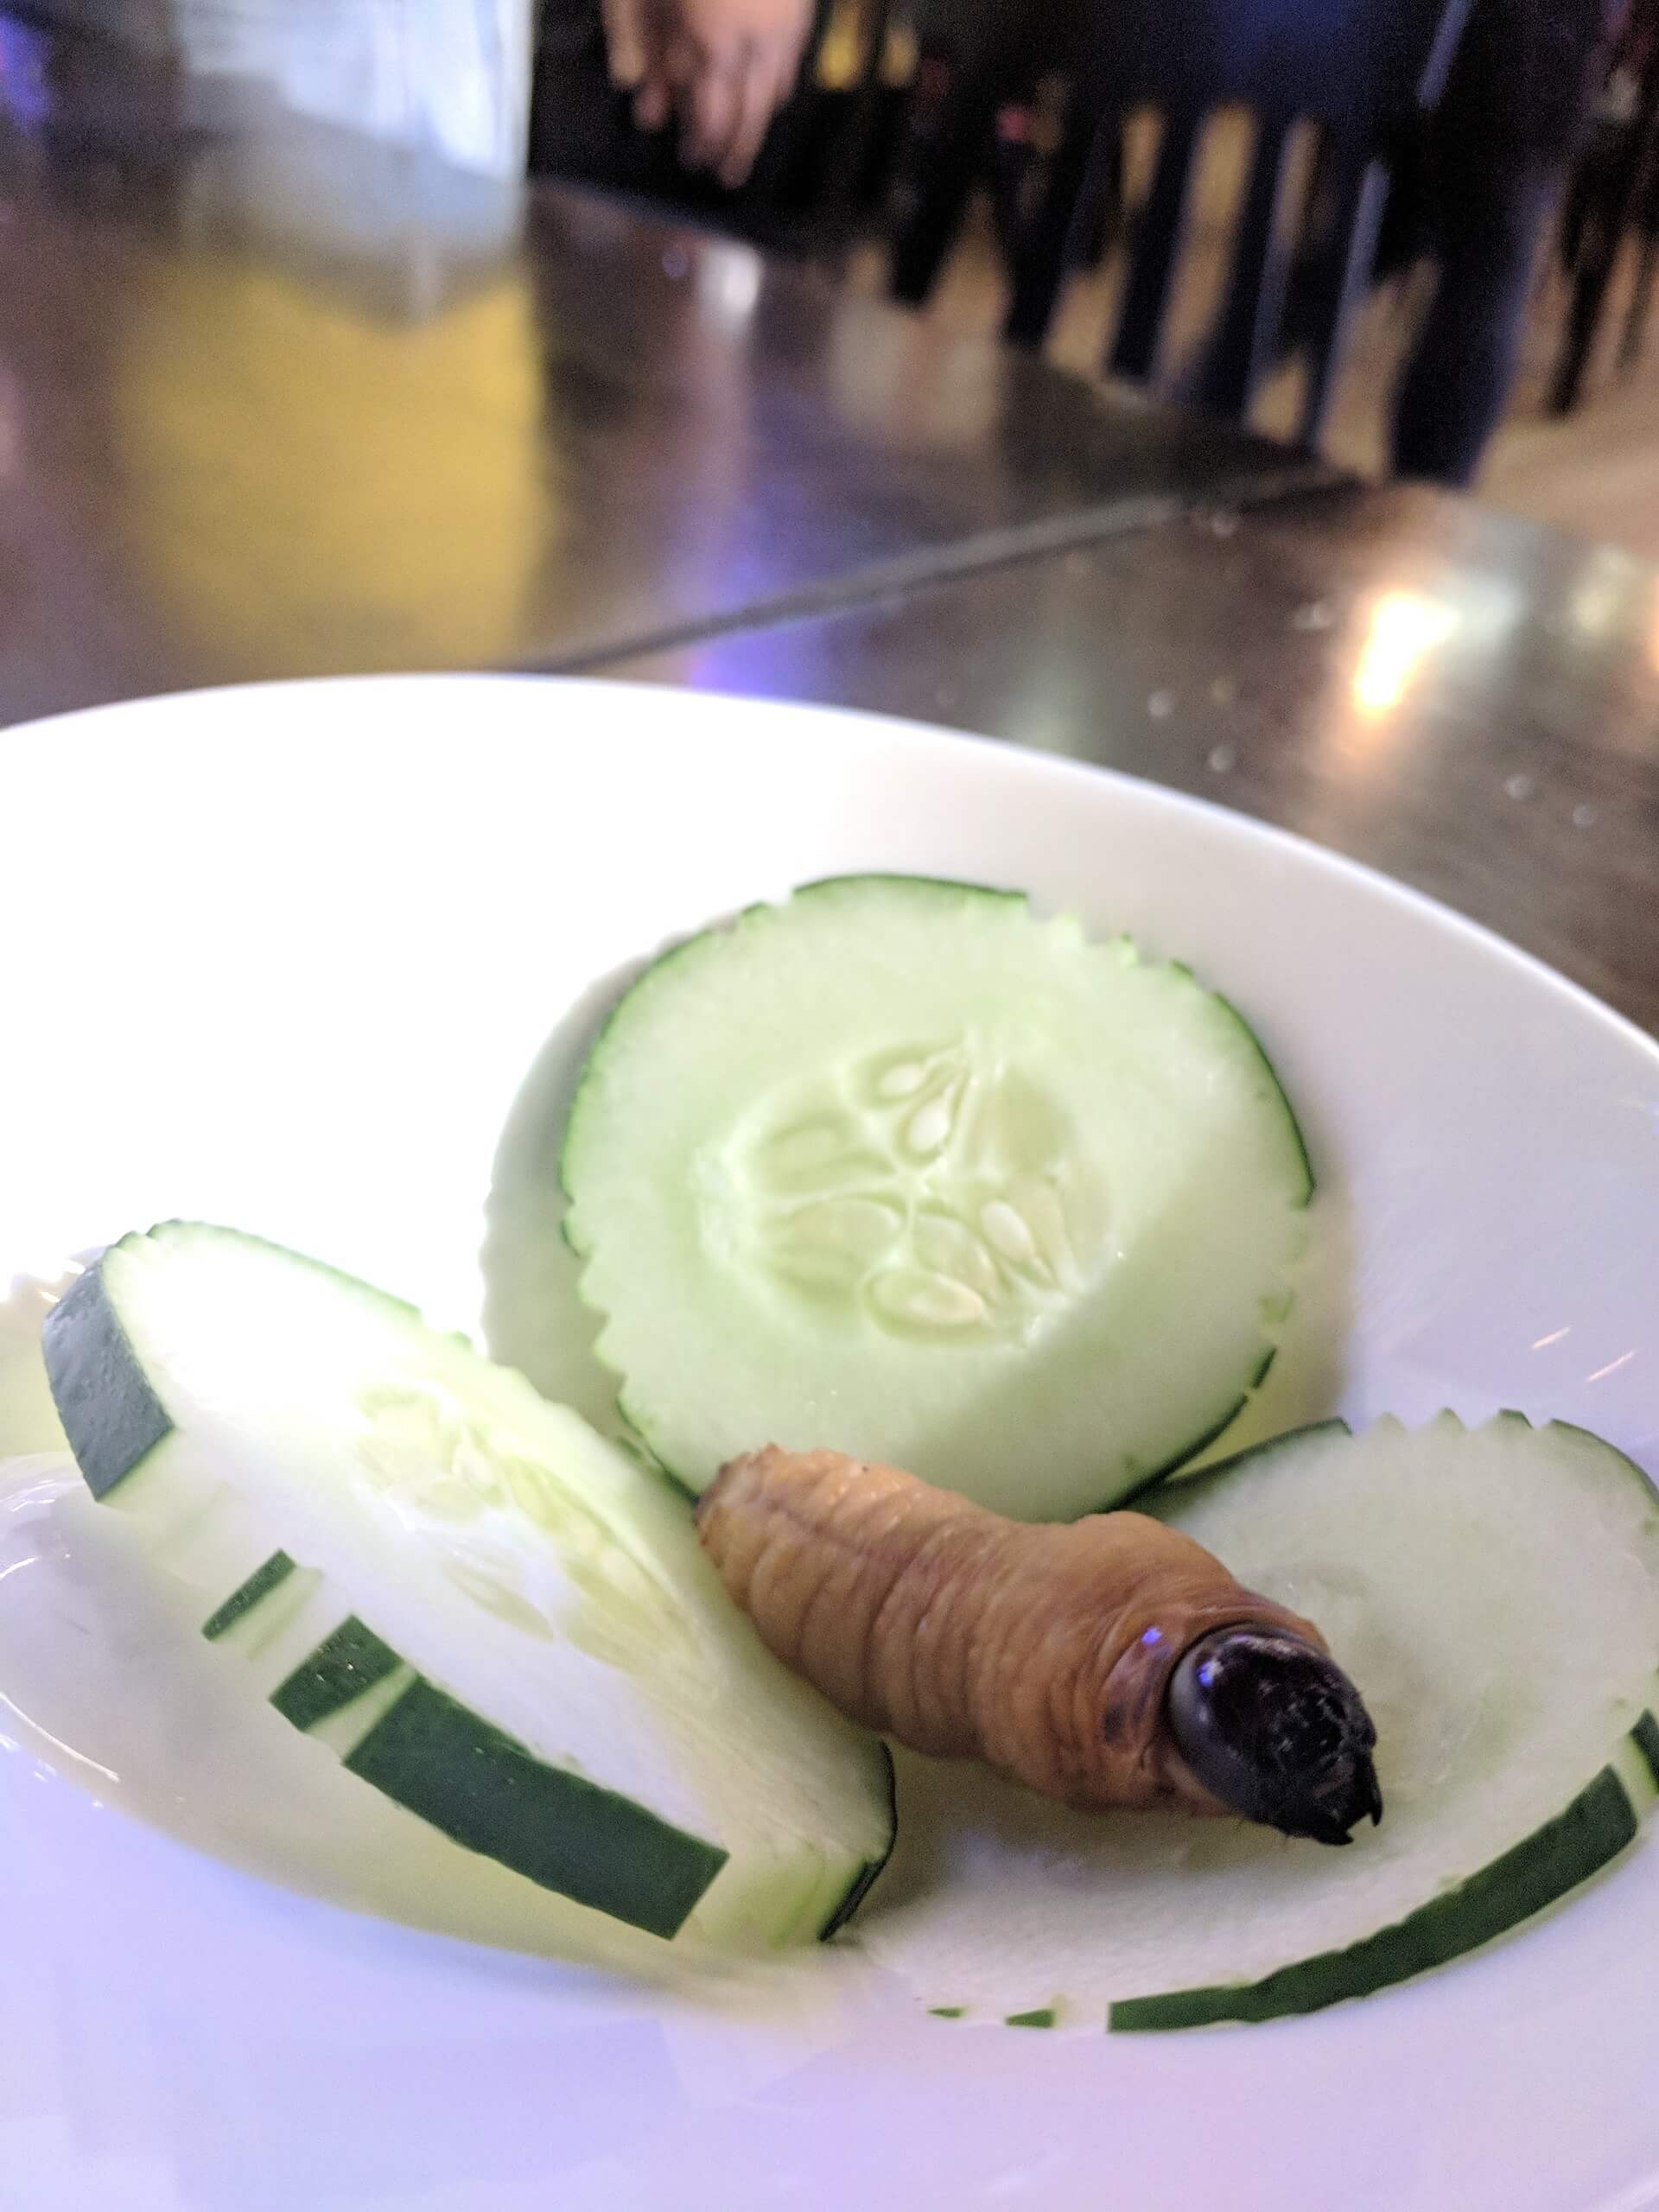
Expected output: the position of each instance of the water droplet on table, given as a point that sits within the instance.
(1518, 787)
(1315, 614)
(1221, 759)
(1223, 692)
(1161, 705)
(1584, 817)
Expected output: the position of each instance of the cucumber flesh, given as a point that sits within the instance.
(897, 1167)
(1494, 1593)
(479, 1606)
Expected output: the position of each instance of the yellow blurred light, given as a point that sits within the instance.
(1404, 628)
(292, 469)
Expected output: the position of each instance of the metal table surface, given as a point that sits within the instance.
(276, 399)
(1464, 700)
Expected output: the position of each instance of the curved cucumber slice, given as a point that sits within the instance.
(1495, 1593)
(480, 1607)
(898, 1168)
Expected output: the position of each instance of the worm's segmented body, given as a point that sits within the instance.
(1046, 1651)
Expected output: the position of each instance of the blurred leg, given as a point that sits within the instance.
(1500, 144)
(943, 168)
(1490, 224)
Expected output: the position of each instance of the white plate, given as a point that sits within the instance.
(285, 957)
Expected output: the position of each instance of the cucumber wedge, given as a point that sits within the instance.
(481, 1608)
(1494, 1593)
(900, 1168)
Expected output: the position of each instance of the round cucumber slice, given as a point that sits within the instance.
(1495, 1594)
(480, 1607)
(898, 1168)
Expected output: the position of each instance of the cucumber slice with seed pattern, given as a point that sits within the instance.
(900, 1168)
(480, 1607)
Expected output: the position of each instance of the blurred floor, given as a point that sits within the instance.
(1596, 472)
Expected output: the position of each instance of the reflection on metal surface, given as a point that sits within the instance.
(728, 284)
(1404, 628)
(1605, 596)
(412, 456)
(1595, 606)
(1487, 606)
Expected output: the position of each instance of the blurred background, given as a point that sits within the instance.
(1479, 186)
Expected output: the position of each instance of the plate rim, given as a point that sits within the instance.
(938, 745)
(920, 737)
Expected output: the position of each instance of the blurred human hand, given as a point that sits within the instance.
(723, 67)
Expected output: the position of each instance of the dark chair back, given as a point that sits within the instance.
(1358, 69)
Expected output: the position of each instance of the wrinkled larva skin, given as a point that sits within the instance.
(1045, 1652)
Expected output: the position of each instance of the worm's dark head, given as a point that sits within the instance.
(1275, 1729)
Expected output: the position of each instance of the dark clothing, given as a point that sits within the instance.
(1515, 99)
(1474, 190)
(1457, 381)
(1523, 76)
